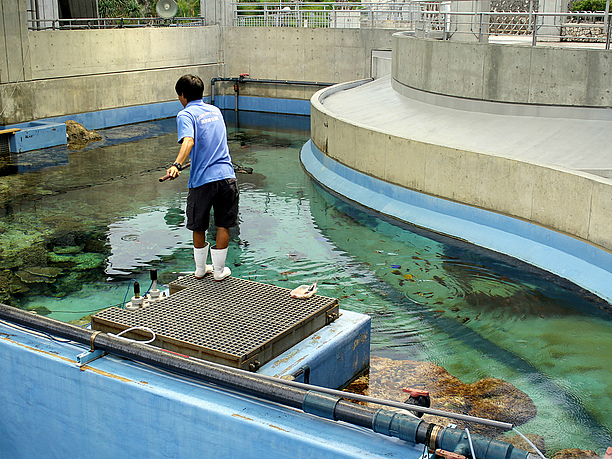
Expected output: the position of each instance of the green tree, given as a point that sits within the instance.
(588, 5)
(143, 8)
(120, 9)
(188, 8)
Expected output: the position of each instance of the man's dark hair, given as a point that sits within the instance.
(190, 86)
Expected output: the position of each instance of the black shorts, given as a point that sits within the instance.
(221, 196)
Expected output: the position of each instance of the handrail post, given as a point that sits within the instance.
(608, 30)
(534, 39)
(607, 20)
(446, 26)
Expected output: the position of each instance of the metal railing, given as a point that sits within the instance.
(530, 28)
(431, 20)
(111, 23)
(423, 18)
(335, 15)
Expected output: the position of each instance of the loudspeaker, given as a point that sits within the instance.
(166, 8)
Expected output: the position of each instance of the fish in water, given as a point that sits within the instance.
(296, 256)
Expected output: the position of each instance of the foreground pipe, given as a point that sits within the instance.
(403, 426)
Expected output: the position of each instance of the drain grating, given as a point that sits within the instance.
(237, 322)
(4, 144)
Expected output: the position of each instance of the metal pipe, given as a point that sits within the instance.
(228, 377)
(310, 399)
(405, 406)
(296, 82)
(210, 371)
(242, 79)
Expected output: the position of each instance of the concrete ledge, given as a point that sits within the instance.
(504, 73)
(567, 201)
(563, 255)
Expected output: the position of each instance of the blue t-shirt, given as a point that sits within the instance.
(210, 158)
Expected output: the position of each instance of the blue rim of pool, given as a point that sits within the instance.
(577, 261)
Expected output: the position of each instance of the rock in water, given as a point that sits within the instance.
(574, 453)
(489, 398)
(78, 135)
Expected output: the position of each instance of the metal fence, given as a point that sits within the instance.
(423, 18)
(335, 15)
(532, 28)
(430, 20)
(111, 23)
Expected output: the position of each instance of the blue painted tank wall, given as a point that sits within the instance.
(118, 408)
(563, 255)
(51, 132)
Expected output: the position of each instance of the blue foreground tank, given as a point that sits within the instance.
(134, 400)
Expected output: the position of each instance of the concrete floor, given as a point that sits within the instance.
(574, 139)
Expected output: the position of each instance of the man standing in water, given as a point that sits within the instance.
(212, 181)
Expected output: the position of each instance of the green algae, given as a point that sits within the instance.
(69, 249)
(78, 262)
(174, 216)
(30, 278)
(42, 310)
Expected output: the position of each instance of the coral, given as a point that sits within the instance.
(77, 262)
(574, 453)
(29, 278)
(44, 271)
(42, 310)
(489, 398)
(87, 261)
(19, 248)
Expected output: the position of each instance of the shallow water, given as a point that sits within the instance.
(99, 218)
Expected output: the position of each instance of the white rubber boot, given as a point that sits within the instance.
(220, 271)
(200, 256)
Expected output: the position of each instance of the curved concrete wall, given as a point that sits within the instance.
(505, 73)
(569, 202)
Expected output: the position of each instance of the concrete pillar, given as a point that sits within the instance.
(14, 45)
(551, 25)
(470, 28)
(44, 14)
(14, 55)
(217, 12)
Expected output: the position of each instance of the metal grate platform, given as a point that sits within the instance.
(237, 322)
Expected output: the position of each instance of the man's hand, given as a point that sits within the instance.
(173, 172)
